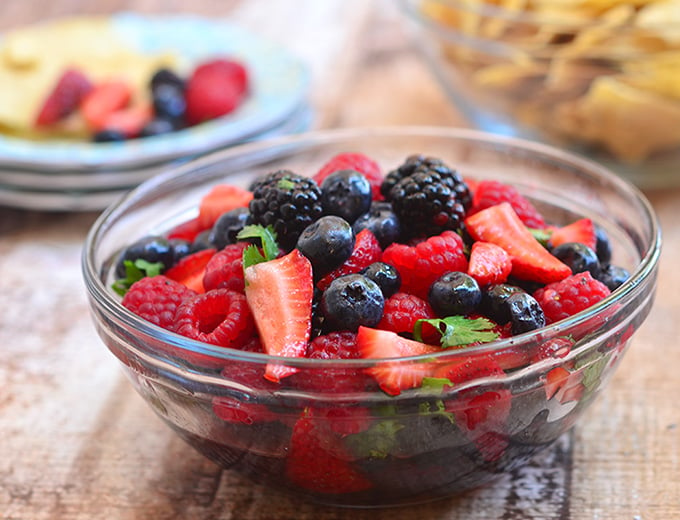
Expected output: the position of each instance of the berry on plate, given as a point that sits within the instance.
(64, 98)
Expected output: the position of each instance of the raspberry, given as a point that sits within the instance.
(214, 89)
(225, 269)
(219, 317)
(567, 297)
(67, 94)
(357, 162)
(402, 311)
(334, 345)
(286, 201)
(156, 299)
(366, 251)
(490, 193)
(420, 265)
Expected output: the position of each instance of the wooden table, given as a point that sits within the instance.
(76, 442)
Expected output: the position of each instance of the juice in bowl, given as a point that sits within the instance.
(374, 317)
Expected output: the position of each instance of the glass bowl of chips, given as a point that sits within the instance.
(601, 78)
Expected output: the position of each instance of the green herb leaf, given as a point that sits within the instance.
(457, 331)
(376, 442)
(436, 408)
(135, 271)
(435, 384)
(542, 235)
(267, 238)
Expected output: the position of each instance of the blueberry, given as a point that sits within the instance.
(180, 248)
(579, 257)
(613, 276)
(454, 293)
(494, 301)
(385, 275)
(165, 76)
(327, 243)
(202, 241)
(346, 193)
(525, 312)
(603, 247)
(152, 249)
(351, 301)
(158, 126)
(169, 102)
(109, 136)
(227, 226)
(382, 222)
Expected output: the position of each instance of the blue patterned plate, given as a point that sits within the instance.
(279, 86)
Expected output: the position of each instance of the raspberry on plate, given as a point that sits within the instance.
(156, 299)
(67, 94)
(420, 265)
(574, 294)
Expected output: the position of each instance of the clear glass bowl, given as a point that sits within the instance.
(425, 443)
(600, 80)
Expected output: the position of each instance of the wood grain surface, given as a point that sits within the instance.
(77, 443)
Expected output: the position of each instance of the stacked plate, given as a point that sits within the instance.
(82, 176)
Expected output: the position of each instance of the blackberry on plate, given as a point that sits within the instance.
(327, 243)
(286, 201)
(381, 221)
(346, 193)
(158, 126)
(350, 301)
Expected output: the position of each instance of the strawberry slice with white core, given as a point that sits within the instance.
(500, 225)
(280, 294)
(393, 377)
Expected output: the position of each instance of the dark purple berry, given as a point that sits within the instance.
(327, 243)
(454, 293)
(352, 301)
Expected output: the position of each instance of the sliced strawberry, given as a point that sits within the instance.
(187, 230)
(220, 199)
(64, 98)
(394, 377)
(317, 460)
(189, 270)
(104, 99)
(215, 89)
(563, 385)
(500, 225)
(489, 263)
(489, 193)
(280, 296)
(582, 231)
(129, 120)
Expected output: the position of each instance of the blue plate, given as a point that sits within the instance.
(279, 86)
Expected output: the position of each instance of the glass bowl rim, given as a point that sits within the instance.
(113, 308)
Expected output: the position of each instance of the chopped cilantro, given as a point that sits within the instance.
(457, 331)
(267, 237)
(542, 235)
(135, 271)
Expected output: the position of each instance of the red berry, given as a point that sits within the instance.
(189, 270)
(394, 377)
(64, 98)
(357, 162)
(318, 461)
(366, 251)
(574, 294)
(420, 265)
(214, 89)
(187, 230)
(401, 312)
(490, 193)
(220, 317)
(225, 269)
(220, 199)
(581, 231)
(280, 294)
(103, 100)
(500, 225)
(233, 410)
(156, 299)
(489, 264)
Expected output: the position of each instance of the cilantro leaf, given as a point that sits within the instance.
(457, 331)
(377, 442)
(542, 235)
(267, 238)
(135, 271)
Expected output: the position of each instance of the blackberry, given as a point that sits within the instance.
(286, 201)
(416, 163)
(426, 204)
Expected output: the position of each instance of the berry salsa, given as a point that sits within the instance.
(358, 263)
